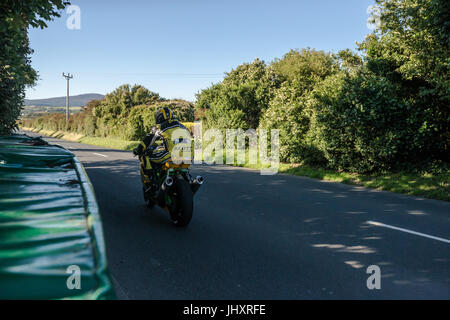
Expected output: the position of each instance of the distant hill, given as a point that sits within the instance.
(75, 101)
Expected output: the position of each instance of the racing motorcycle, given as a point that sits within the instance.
(173, 191)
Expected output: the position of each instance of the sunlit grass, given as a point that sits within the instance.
(434, 186)
(109, 142)
(113, 143)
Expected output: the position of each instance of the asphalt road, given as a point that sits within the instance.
(268, 237)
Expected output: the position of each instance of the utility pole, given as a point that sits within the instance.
(68, 77)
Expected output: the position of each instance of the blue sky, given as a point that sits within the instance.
(178, 47)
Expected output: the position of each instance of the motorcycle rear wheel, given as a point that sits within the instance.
(182, 210)
(148, 201)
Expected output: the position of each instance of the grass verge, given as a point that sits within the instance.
(433, 186)
(113, 143)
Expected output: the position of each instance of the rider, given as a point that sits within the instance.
(152, 154)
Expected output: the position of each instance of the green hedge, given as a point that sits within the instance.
(116, 115)
(383, 108)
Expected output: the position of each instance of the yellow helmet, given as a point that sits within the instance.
(163, 114)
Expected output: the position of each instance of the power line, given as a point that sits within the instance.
(159, 74)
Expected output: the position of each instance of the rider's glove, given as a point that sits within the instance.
(136, 151)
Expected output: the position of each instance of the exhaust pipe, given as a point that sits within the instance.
(199, 180)
(196, 183)
(167, 183)
(159, 198)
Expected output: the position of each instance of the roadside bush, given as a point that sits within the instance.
(286, 114)
(116, 115)
(361, 124)
(239, 100)
(383, 108)
(288, 110)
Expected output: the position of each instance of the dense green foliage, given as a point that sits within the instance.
(361, 124)
(16, 72)
(386, 107)
(240, 99)
(392, 112)
(411, 50)
(126, 113)
(288, 110)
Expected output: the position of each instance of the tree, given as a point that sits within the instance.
(411, 49)
(361, 124)
(141, 95)
(390, 110)
(305, 67)
(240, 98)
(16, 72)
(288, 111)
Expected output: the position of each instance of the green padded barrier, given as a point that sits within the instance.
(49, 220)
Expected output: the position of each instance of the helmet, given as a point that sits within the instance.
(163, 114)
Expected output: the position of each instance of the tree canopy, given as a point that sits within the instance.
(16, 72)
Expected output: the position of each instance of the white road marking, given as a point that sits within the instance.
(99, 154)
(121, 293)
(379, 224)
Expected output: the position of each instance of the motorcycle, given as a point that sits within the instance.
(174, 191)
